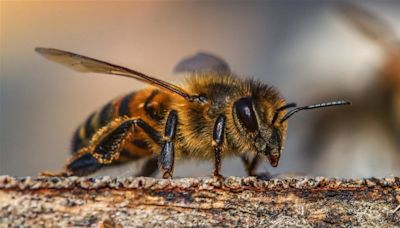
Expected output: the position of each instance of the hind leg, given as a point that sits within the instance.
(106, 145)
(82, 165)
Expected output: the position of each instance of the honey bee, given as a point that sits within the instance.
(218, 114)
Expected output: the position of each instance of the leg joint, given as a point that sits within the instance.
(219, 129)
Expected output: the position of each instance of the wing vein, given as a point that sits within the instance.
(90, 65)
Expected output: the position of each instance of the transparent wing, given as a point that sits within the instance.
(89, 65)
(202, 62)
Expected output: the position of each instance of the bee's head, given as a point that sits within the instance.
(256, 127)
(265, 127)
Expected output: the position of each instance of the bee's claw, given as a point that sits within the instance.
(218, 176)
(167, 175)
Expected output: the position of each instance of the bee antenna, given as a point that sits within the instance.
(313, 106)
(286, 106)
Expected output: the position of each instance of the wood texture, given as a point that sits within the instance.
(204, 202)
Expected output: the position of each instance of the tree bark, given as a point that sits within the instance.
(198, 202)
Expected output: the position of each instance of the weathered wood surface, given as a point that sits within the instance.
(204, 202)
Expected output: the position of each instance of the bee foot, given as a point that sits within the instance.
(167, 175)
(218, 176)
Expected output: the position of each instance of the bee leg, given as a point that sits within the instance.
(217, 143)
(109, 147)
(84, 164)
(251, 166)
(149, 168)
(106, 146)
(167, 157)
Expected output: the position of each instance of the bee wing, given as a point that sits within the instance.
(202, 62)
(89, 65)
(370, 25)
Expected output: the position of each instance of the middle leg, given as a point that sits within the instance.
(167, 155)
(217, 143)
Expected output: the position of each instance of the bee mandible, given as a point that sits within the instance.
(217, 114)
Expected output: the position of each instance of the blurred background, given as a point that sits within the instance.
(310, 50)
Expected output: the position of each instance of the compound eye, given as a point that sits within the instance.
(245, 113)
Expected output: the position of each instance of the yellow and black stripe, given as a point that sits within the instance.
(150, 105)
(99, 119)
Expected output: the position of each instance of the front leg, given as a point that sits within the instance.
(217, 143)
(251, 166)
(167, 155)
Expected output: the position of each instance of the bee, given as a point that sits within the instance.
(217, 114)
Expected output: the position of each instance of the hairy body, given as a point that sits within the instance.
(214, 115)
(195, 121)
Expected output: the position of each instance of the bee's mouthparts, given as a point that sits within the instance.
(273, 158)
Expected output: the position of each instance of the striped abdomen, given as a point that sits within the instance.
(149, 104)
